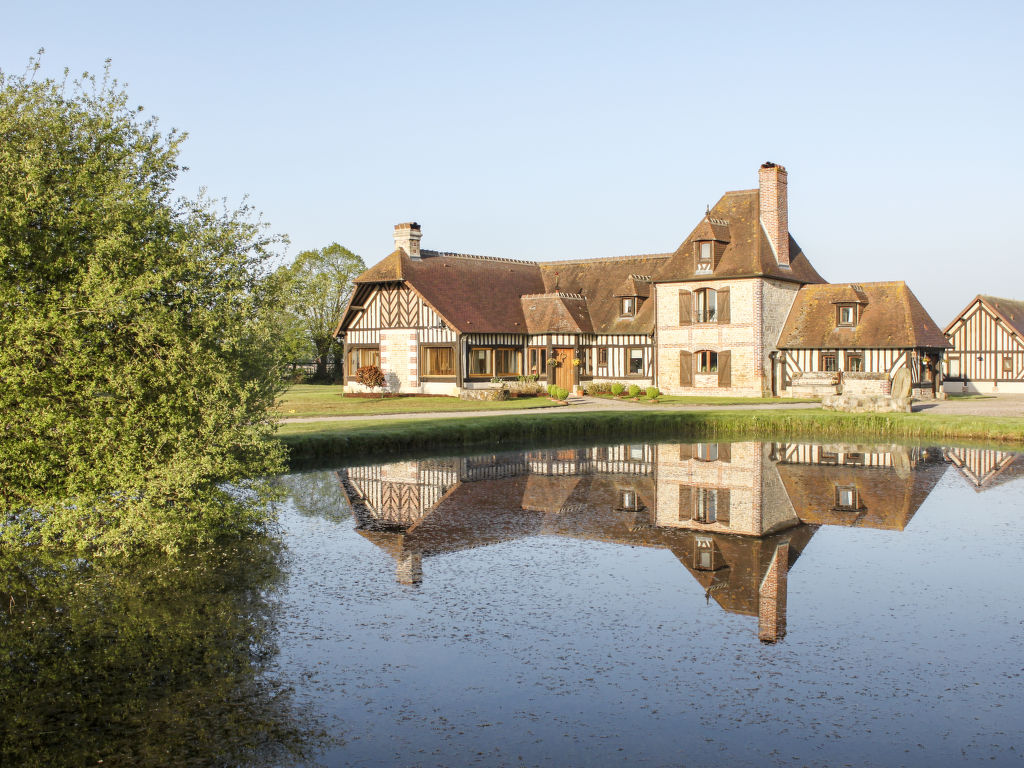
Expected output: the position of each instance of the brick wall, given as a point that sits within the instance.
(771, 611)
(775, 208)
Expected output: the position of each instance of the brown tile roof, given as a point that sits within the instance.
(599, 280)
(735, 219)
(891, 317)
(1010, 310)
(556, 313)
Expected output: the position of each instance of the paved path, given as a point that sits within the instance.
(1003, 405)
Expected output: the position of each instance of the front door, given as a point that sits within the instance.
(564, 370)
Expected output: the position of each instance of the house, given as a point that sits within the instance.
(736, 309)
(987, 354)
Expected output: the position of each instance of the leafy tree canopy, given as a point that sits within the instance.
(137, 360)
(318, 286)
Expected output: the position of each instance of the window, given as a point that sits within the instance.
(706, 304)
(828, 362)
(847, 497)
(538, 357)
(953, 363)
(628, 306)
(627, 500)
(705, 505)
(506, 362)
(707, 361)
(360, 357)
(602, 357)
(636, 362)
(636, 453)
(854, 362)
(480, 362)
(854, 459)
(704, 554)
(847, 315)
(705, 255)
(1007, 364)
(707, 451)
(437, 361)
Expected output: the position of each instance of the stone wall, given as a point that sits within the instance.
(813, 384)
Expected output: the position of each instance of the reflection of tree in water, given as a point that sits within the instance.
(162, 662)
(317, 494)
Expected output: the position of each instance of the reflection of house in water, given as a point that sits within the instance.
(735, 515)
(985, 468)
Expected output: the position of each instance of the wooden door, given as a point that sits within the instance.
(564, 369)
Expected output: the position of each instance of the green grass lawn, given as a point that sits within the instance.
(312, 400)
(698, 400)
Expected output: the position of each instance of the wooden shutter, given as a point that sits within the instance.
(723, 506)
(685, 368)
(685, 308)
(724, 368)
(723, 305)
(685, 502)
(685, 451)
(725, 452)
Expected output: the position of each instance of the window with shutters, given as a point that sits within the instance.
(707, 451)
(707, 361)
(705, 304)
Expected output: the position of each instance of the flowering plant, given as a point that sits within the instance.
(577, 362)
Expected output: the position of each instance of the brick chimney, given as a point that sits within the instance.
(775, 209)
(771, 609)
(407, 237)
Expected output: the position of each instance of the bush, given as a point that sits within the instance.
(561, 394)
(653, 392)
(372, 376)
(551, 389)
(634, 390)
(616, 389)
(598, 388)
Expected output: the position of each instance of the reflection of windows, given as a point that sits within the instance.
(705, 506)
(829, 457)
(704, 554)
(627, 499)
(628, 306)
(636, 361)
(707, 361)
(705, 305)
(847, 497)
(359, 357)
(857, 459)
(437, 361)
(828, 362)
(636, 453)
(707, 451)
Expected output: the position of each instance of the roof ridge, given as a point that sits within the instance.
(606, 259)
(452, 254)
(554, 295)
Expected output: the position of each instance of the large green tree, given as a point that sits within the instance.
(137, 362)
(320, 283)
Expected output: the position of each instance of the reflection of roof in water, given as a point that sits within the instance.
(985, 468)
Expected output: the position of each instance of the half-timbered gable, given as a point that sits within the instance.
(987, 353)
(859, 334)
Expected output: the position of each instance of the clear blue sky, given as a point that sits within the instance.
(546, 130)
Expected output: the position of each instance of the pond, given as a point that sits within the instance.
(666, 604)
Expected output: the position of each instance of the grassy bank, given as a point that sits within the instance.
(311, 400)
(358, 440)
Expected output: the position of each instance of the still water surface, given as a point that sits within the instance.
(712, 604)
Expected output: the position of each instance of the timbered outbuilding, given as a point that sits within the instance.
(987, 354)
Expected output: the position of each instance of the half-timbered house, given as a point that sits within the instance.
(987, 353)
(736, 309)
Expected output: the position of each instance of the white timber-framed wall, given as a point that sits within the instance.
(987, 355)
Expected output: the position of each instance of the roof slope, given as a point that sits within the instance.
(748, 252)
(1010, 310)
(599, 280)
(890, 317)
(556, 313)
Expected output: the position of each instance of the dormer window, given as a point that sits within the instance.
(628, 306)
(705, 256)
(847, 315)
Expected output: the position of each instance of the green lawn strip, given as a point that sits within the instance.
(310, 400)
(697, 400)
(376, 439)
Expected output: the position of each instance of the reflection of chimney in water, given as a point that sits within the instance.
(771, 610)
(410, 568)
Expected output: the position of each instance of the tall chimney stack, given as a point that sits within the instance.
(775, 209)
(407, 237)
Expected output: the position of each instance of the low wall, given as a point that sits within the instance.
(813, 384)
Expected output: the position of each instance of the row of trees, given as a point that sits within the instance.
(144, 335)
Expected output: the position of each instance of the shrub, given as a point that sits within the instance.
(634, 390)
(371, 376)
(551, 389)
(561, 394)
(616, 389)
(653, 392)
